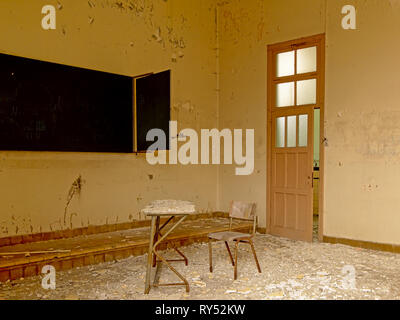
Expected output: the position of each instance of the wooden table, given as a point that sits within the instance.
(154, 258)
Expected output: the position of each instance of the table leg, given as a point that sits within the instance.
(183, 256)
(185, 282)
(150, 255)
(157, 233)
(157, 274)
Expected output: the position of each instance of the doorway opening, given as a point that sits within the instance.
(316, 174)
(295, 129)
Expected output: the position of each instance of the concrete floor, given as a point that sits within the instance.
(291, 270)
(315, 228)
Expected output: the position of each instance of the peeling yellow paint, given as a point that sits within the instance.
(34, 185)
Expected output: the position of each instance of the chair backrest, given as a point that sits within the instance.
(244, 211)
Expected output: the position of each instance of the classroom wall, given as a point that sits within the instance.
(246, 28)
(362, 172)
(219, 79)
(124, 37)
(363, 123)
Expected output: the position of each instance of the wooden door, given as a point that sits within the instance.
(295, 90)
(292, 169)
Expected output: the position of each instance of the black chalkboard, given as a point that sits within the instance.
(152, 107)
(51, 107)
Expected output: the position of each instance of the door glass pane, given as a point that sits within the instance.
(307, 60)
(280, 132)
(285, 94)
(303, 130)
(307, 92)
(285, 64)
(291, 132)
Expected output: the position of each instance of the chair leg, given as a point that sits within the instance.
(254, 254)
(230, 254)
(236, 258)
(210, 254)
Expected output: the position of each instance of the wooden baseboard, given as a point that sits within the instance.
(71, 233)
(364, 244)
(262, 230)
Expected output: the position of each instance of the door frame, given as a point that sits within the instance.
(319, 40)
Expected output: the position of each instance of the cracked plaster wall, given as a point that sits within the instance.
(135, 37)
(361, 102)
(125, 37)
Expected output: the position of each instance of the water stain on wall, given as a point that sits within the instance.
(75, 190)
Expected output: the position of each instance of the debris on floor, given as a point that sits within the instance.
(290, 270)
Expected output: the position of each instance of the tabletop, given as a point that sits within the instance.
(169, 208)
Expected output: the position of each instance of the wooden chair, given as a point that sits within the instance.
(242, 211)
